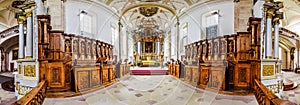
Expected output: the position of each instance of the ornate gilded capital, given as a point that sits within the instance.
(276, 20)
(270, 13)
(269, 1)
(28, 14)
(25, 8)
(21, 18)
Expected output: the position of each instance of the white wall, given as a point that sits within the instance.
(258, 9)
(194, 19)
(103, 18)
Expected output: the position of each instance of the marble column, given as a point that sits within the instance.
(29, 36)
(276, 41)
(21, 20)
(268, 48)
(177, 43)
(158, 47)
(139, 48)
(120, 40)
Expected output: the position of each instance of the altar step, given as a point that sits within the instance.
(149, 72)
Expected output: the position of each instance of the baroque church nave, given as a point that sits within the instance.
(136, 52)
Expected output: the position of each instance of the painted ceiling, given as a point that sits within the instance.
(167, 9)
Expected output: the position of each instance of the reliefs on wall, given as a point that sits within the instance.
(268, 70)
(29, 70)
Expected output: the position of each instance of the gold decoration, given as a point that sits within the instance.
(21, 18)
(29, 70)
(18, 87)
(19, 69)
(268, 70)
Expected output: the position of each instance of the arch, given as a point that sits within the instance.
(286, 43)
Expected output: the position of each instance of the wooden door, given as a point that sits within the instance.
(56, 75)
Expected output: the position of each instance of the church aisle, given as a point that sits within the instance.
(150, 90)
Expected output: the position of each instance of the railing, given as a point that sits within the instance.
(35, 97)
(265, 96)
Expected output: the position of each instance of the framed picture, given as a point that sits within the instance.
(15, 54)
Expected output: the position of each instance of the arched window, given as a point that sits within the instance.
(114, 34)
(184, 39)
(210, 21)
(85, 23)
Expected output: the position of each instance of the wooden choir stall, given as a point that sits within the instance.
(225, 63)
(73, 63)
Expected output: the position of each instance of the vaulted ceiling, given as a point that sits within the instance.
(7, 14)
(131, 11)
(159, 12)
(291, 12)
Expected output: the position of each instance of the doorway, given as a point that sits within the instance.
(11, 67)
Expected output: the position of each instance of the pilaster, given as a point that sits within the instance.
(27, 76)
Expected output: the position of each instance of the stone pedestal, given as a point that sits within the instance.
(27, 77)
(270, 68)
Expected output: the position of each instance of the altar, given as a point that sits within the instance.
(149, 51)
(149, 63)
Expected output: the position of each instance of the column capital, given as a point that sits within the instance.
(270, 13)
(21, 18)
(269, 1)
(28, 14)
(276, 21)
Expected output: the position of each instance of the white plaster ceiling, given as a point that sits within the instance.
(291, 12)
(7, 14)
(129, 9)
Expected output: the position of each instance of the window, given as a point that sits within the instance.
(184, 39)
(114, 34)
(85, 23)
(211, 21)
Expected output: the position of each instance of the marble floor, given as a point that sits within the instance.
(292, 95)
(152, 90)
(6, 97)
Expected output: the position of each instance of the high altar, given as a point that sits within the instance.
(149, 50)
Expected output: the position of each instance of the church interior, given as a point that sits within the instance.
(150, 52)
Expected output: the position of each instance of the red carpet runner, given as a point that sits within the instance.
(149, 71)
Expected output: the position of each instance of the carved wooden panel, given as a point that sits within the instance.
(195, 75)
(56, 75)
(95, 78)
(105, 75)
(82, 48)
(187, 74)
(204, 77)
(242, 77)
(177, 71)
(56, 48)
(68, 73)
(83, 80)
(216, 79)
(112, 74)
